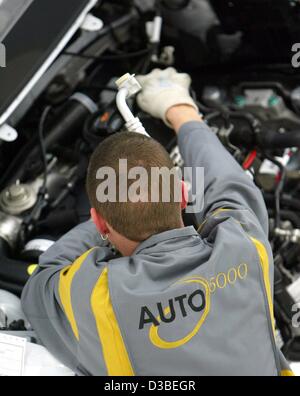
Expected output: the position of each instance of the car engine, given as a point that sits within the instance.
(247, 91)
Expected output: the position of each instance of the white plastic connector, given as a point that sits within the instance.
(154, 30)
(129, 86)
(129, 82)
(8, 133)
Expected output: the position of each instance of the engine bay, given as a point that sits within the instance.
(250, 99)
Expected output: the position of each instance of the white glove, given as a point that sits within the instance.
(163, 90)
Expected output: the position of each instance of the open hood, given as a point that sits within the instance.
(34, 33)
(10, 12)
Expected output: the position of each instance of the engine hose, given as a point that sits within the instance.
(288, 215)
(285, 199)
(69, 119)
(265, 139)
(240, 138)
(275, 140)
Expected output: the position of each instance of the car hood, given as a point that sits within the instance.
(10, 12)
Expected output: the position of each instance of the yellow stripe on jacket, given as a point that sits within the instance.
(114, 350)
(65, 287)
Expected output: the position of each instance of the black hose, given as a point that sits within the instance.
(108, 58)
(62, 128)
(110, 30)
(43, 146)
(286, 200)
(293, 217)
(238, 135)
(275, 140)
(265, 139)
(278, 190)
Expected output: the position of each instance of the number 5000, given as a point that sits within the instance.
(230, 278)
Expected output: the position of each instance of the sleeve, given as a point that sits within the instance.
(231, 198)
(49, 295)
(228, 190)
(72, 245)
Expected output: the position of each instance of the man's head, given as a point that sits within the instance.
(139, 218)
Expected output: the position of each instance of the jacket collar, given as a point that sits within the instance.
(166, 236)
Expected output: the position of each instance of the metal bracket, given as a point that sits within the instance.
(8, 133)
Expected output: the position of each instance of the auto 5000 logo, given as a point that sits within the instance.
(198, 301)
(2, 55)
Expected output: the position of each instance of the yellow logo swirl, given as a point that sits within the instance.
(162, 344)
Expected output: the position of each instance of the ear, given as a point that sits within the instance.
(185, 195)
(100, 223)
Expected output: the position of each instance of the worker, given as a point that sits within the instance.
(134, 291)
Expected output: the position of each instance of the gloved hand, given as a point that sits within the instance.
(163, 90)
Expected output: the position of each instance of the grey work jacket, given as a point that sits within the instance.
(185, 303)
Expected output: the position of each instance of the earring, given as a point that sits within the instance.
(104, 238)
